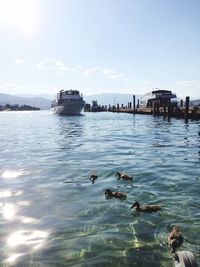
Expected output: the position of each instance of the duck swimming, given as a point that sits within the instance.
(123, 176)
(147, 208)
(175, 239)
(93, 177)
(110, 194)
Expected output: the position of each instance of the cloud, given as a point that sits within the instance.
(187, 88)
(117, 76)
(187, 83)
(92, 71)
(15, 89)
(108, 73)
(50, 63)
(146, 83)
(61, 68)
(18, 61)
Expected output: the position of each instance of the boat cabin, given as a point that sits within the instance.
(160, 98)
(68, 95)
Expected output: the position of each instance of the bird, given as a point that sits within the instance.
(175, 239)
(123, 176)
(147, 208)
(110, 194)
(93, 177)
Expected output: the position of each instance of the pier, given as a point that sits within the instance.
(183, 111)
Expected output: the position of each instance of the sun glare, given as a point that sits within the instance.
(20, 14)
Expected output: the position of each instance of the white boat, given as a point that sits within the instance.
(161, 97)
(68, 102)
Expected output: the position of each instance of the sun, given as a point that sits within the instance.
(19, 14)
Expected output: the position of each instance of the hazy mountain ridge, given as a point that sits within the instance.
(45, 103)
(111, 98)
(39, 102)
(102, 99)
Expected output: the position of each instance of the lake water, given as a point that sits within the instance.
(52, 215)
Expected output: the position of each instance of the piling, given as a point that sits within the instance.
(138, 103)
(154, 108)
(169, 112)
(187, 101)
(164, 111)
(181, 103)
(133, 103)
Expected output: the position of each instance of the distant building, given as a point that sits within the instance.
(94, 107)
(94, 103)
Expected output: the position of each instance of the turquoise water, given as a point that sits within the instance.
(52, 215)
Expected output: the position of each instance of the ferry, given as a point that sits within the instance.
(160, 97)
(68, 102)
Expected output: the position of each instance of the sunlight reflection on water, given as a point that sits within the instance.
(8, 211)
(25, 240)
(8, 174)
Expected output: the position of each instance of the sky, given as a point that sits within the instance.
(99, 46)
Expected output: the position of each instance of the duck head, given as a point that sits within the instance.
(136, 204)
(118, 174)
(93, 177)
(108, 193)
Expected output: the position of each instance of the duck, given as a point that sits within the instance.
(175, 239)
(123, 176)
(147, 208)
(110, 194)
(93, 177)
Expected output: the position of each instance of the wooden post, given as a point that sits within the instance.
(164, 111)
(187, 102)
(138, 103)
(133, 103)
(158, 111)
(154, 108)
(169, 112)
(181, 103)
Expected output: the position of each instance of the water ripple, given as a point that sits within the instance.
(51, 213)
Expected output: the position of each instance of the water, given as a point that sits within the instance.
(52, 215)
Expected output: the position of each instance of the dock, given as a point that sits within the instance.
(184, 111)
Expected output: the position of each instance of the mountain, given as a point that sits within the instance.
(35, 101)
(45, 102)
(111, 98)
(195, 103)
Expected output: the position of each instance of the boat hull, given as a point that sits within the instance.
(71, 108)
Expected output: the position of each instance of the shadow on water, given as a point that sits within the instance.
(71, 126)
(70, 129)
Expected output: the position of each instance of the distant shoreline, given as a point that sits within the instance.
(16, 107)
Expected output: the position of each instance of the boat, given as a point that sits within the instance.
(160, 97)
(68, 102)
